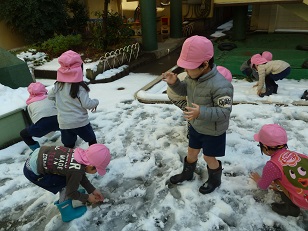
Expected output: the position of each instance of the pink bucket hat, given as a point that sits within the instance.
(37, 92)
(271, 135)
(97, 155)
(257, 59)
(267, 55)
(70, 70)
(195, 51)
(225, 72)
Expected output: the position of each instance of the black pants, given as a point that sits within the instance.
(51, 182)
(271, 78)
(269, 82)
(39, 129)
(69, 136)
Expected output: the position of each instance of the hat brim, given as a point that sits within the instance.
(256, 137)
(187, 65)
(35, 98)
(101, 172)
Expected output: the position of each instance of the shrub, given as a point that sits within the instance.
(35, 20)
(117, 31)
(78, 17)
(39, 20)
(59, 44)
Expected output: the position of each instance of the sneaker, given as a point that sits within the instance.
(285, 209)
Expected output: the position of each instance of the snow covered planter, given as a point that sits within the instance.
(11, 124)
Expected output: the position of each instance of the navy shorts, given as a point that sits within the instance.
(51, 182)
(214, 146)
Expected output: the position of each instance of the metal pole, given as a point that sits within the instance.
(176, 26)
(148, 24)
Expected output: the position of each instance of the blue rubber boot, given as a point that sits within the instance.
(34, 146)
(78, 203)
(68, 213)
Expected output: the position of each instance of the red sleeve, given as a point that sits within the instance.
(270, 173)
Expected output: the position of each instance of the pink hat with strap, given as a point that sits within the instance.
(70, 70)
(271, 135)
(97, 155)
(267, 55)
(37, 92)
(225, 72)
(257, 59)
(195, 51)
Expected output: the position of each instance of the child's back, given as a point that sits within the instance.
(43, 114)
(72, 100)
(72, 108)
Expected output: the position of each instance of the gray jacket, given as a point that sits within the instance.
(214, 94)
(41, 109)
(248, 70)
(72, 113)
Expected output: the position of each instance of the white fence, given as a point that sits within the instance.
(114, 59)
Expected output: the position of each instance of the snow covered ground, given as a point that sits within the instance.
(148, 143)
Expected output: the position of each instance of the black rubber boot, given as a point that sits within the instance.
(288, 208)
(305, 95)
(269, 91)
(275, 89)
(187, 174)
(214, 180)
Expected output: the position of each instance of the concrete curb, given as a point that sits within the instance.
(158, 79)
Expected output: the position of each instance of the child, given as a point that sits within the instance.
(181, 102)
(288, 169)
(247, 70)
(61, 169)
(72, 100)
(269, 72)
(43, 113)
(209, 99)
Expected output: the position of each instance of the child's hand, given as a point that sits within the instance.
(98, 195)
(255, 176)
(93, 109)
(273, 186)
(259, 92)
(95, 197)
(169, 77)
(92, 199)
(192, 112)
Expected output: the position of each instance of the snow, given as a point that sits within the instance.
(224, 27)
(148, 143)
